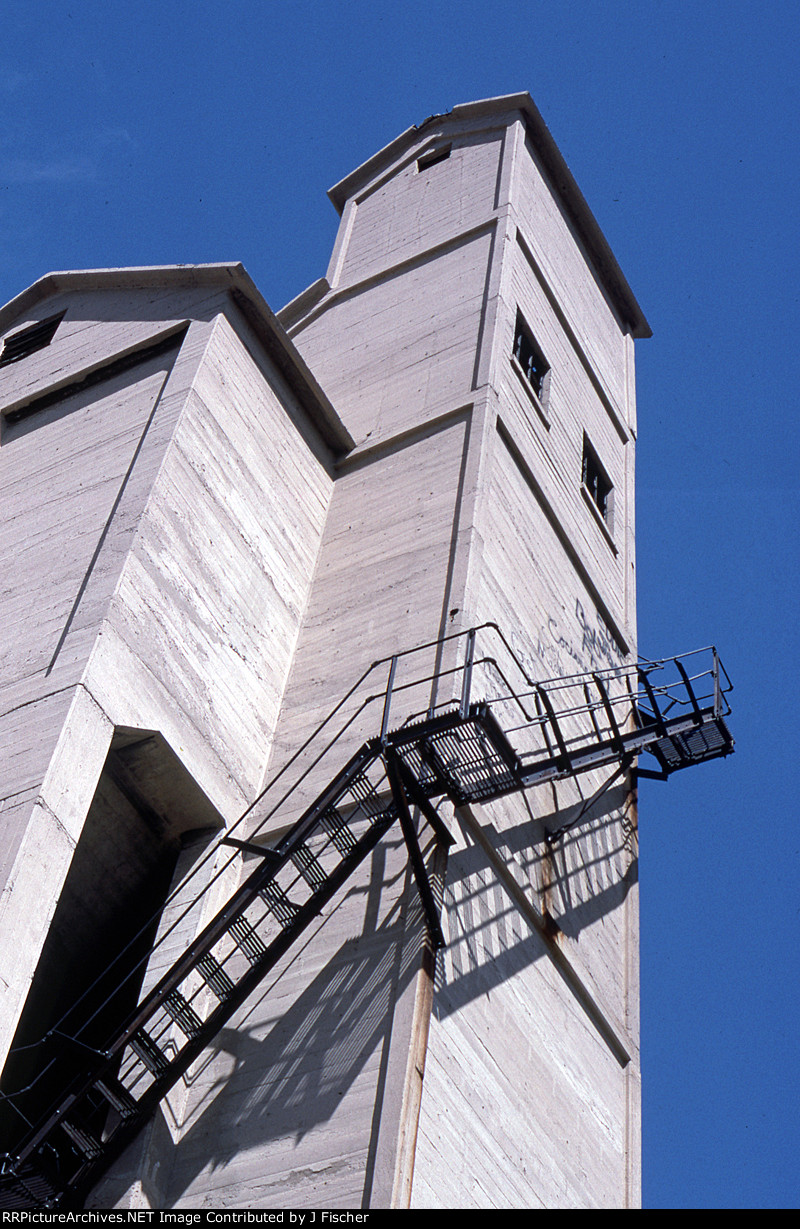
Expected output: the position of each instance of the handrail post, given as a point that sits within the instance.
(717, 689)
(466, 682)
(387, 702)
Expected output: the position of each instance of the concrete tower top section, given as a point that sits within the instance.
(423, 146)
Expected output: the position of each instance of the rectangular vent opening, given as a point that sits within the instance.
(28, 340)
(433, 156)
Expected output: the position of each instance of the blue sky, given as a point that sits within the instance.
(187, 132)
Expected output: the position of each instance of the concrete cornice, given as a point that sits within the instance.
(143, 277)
(231, 277)
(475, 114)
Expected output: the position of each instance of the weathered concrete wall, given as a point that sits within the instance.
(280, 1115)
(291, 1109)
(561, 256)
(523, 1101)
(533, 1046)
(406, 343)
(383, 583)
(65, 471)
(169, 519)
(531, 1077)
(284, 1110)
(201, 631)
(567, 1138)
(407, 211)
(529, 551)
(73, 494)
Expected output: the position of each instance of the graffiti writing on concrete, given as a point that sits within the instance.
(590, 646)
(599, 642)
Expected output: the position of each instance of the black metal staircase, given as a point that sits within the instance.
(463, 750)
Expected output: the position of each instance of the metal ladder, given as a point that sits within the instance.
(465, 751)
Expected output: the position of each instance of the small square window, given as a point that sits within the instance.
(27, 341)
(597, 483)
(532, 363)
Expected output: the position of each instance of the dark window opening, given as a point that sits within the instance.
(535, 367)
(597, 482)
(433, 156)
(27, 341)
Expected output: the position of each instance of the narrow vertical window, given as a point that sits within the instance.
(530, 362)
(596, 483)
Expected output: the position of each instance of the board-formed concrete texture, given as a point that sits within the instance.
(202, 551)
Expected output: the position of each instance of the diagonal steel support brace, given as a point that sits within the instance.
(425, 805)
(269, 855)
(650, 774)
(622, 768)
(424, 888)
